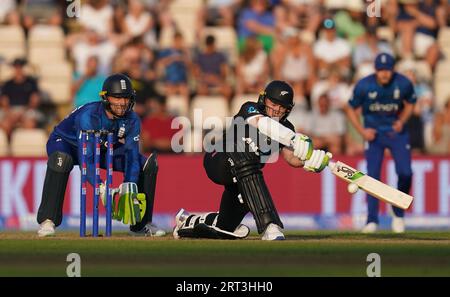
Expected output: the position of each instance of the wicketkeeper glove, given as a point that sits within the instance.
(130, 207)
(303, 146)
(318, 161)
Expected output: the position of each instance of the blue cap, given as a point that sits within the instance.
(328, 23)
(384, 61)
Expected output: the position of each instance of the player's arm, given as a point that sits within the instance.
(352, 110)
(301, 144)
(298, 150)
(408, 107)
(403, 117)
(132, 168)
(353, 116)
(289, 157)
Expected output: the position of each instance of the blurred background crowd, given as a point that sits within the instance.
(214, 55)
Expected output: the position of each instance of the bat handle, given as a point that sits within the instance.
(331, 164)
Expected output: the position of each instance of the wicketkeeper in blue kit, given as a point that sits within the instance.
(113, 113)
(386, 99)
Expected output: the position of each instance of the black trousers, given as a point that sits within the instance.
(232, 211)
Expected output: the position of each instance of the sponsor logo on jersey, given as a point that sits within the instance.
(373, 95)
(252, 109)
(377, 107)
(397, 93)
(136, 138)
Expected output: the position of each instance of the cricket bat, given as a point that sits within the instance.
(371, 185)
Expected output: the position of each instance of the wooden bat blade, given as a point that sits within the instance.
(372, 186)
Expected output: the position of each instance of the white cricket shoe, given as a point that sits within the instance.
(398, 225)
(149, 229)
(46, 228)
(180, 218)
(370, 228)
(273, 232)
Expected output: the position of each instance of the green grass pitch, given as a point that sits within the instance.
(324, 253)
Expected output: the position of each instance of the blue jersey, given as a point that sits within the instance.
(381, 105)
(92, 116)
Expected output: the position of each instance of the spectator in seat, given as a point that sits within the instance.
(87, 86)
(9, 13)
(175, 61)
(19, 95)
(97, 15)
(418, 25)
(332, 51)
(441, 131)
(293, 61)
(219, 12)
(327, 126)
(47, 12)
(252, 69)
(145, 88)
(256, 20)
(91, 44)
(337, 90)
(139, 22)
(211, 70)
(366, 49)
(156, 131)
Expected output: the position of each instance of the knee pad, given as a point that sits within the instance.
(60, 162)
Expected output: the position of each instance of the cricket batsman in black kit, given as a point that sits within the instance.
(256, 133)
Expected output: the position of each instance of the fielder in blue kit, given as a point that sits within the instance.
(114, 114)
(386, 100)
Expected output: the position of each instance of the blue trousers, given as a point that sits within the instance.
(398, 144)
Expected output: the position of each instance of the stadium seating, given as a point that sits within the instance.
(28, 142)
(46, 36)
(238, 100)
(442, 93)
(209, 108)
(57, 72)
(4, 147)
(12, 42)
(59, 91)
(177, 105)
(38, 55)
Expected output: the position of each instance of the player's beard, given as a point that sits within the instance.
(119, 109)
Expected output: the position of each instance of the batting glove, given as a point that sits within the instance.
(318, 161)
(303, 146)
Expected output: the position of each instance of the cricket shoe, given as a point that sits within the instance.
(273, 232)
(46, 228)
(370, 228)
(398, 223)
(149, 229)
(180, 218)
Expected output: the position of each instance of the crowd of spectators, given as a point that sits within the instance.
(321, 47)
